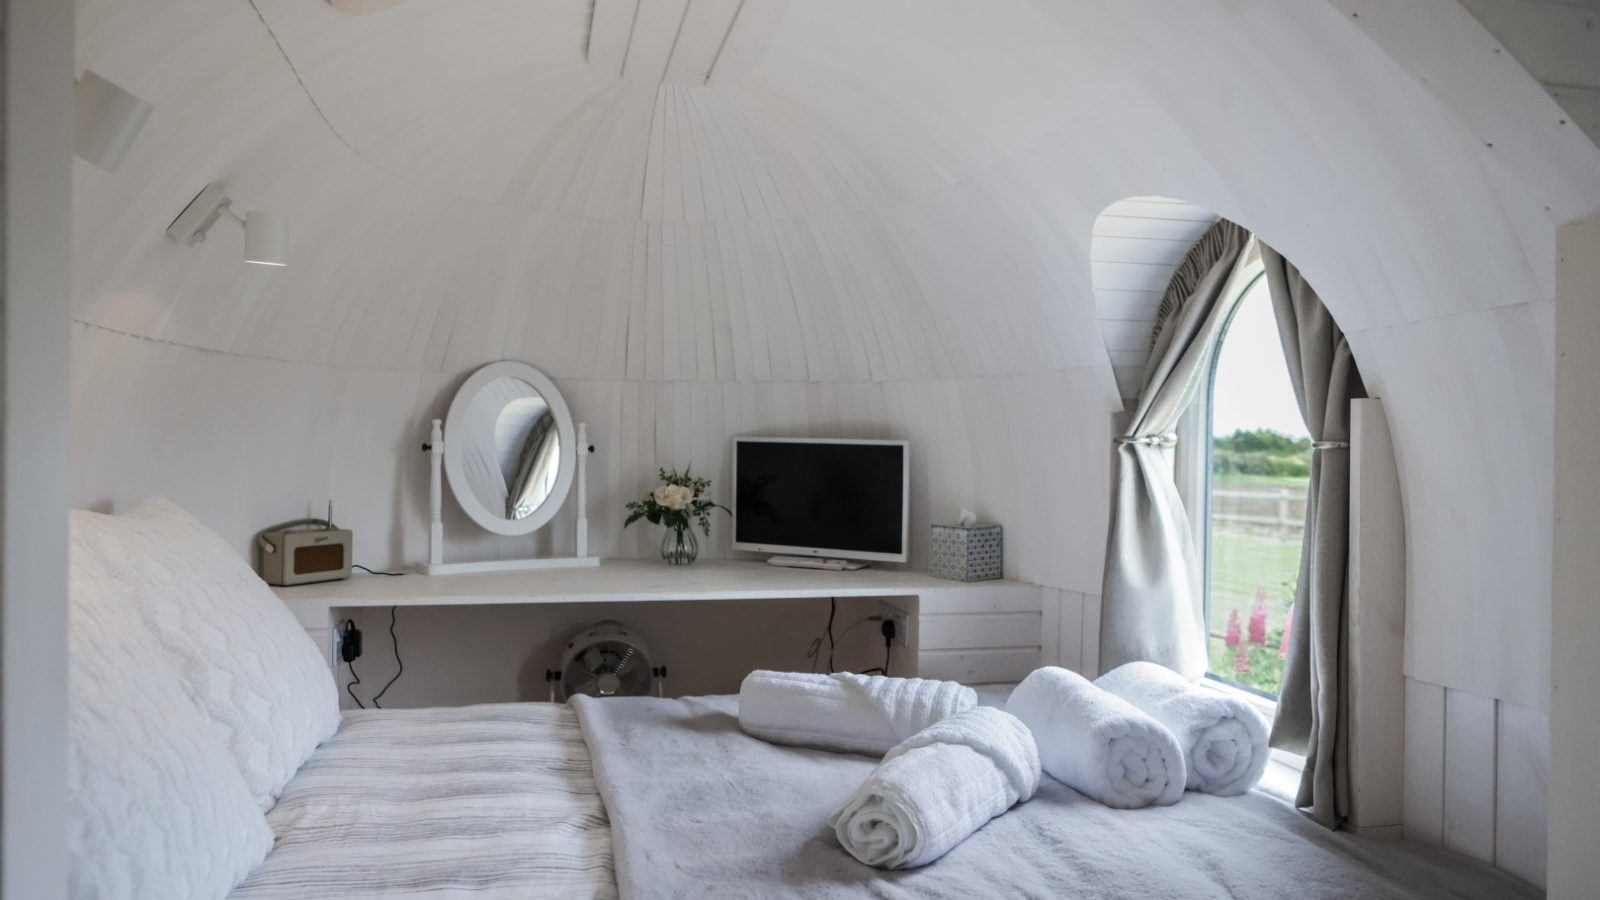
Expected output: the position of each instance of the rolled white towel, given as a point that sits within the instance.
(1099, 744)
(1224, 739)
(937, 788)
(866, 714)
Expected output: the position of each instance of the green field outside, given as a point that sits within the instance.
(1243, 564)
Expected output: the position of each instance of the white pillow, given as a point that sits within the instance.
(157, 807)
(247, 663)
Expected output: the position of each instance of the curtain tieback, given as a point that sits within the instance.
(1330, 445)
(1154, 440)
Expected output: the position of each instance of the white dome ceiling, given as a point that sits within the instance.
(458, 174)
(870, 193)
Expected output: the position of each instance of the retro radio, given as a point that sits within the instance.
(304, 551)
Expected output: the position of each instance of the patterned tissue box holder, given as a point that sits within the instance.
(967, 552)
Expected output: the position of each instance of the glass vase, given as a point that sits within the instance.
(679, 547)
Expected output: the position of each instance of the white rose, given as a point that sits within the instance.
(673, 496)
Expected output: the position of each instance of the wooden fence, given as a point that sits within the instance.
(1279, 511)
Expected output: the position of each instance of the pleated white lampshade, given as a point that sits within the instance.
(266, 238)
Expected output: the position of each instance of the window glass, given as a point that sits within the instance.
(1260, 457)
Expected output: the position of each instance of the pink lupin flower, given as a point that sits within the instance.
(1232, 637)
(1258, 619)
(1288, 623)
(1241, 661)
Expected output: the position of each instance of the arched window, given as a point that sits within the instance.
(1253, 477)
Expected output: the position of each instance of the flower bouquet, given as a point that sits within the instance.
(678, 502)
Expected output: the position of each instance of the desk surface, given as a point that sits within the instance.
(621, 581)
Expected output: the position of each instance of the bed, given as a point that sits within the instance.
(512, 800)
(209, 755)
(481, 801)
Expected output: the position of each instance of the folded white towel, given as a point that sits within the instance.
(938, 787)
(866, 714)
(1101, 745)
(1224, 739)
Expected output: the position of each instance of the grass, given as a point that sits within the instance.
(1242, 565)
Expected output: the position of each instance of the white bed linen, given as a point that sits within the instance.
(156, 807)
(247, 663)
(481, 802)
(701, 809)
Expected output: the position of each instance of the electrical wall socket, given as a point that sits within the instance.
(902, 624)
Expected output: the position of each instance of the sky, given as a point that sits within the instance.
(1252, 386)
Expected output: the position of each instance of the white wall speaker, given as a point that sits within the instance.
(109, 120)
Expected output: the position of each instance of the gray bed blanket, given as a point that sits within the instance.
(700, 809)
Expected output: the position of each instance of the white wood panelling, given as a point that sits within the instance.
(1476, 777)
(1424, 762)
(1137, 246)
(1076, 638)
(983, 634)
(1377, 591)
(1470, 730)
(978, 666)
(987, 630)
(1522, 781)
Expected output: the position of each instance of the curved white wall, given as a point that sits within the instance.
(881, 227)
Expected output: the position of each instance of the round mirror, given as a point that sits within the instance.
(509, 448)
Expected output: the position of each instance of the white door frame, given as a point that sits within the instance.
(1574, 799)
(36, 45)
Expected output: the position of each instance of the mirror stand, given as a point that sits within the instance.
(436, 564)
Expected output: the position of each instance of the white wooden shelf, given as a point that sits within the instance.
(979, 631)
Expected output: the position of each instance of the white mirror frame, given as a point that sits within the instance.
(455, 450)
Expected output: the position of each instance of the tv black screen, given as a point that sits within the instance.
(843, 498)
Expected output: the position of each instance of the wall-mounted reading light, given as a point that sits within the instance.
(109, 120)
(266, 235)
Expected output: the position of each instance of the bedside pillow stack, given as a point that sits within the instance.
(194, 696)
(157, 806)
(243, 658)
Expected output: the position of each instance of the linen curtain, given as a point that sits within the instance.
(1313, 707)
(1153, 607)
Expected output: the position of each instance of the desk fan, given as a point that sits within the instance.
(607, 660)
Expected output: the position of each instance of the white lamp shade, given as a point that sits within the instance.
(109, 120)
(266, 238)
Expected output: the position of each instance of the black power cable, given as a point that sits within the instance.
(833, 607)
(349, 651)
(351, 687)
(887, 630)
(400, 667)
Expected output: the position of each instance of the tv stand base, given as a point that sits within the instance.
(815, 562)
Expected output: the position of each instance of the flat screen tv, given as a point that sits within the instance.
(839, 499)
